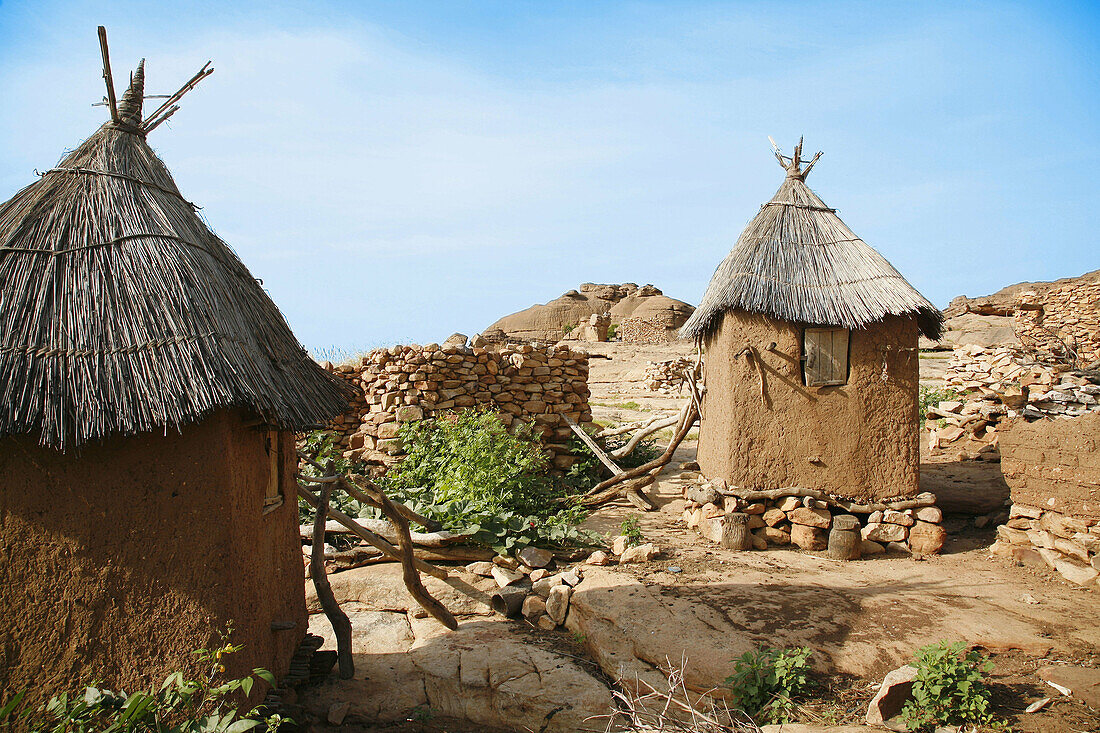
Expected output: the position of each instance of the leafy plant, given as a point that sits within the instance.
(568, 328)
(765, 682)
(209, 704)
(932, 396)
(949, 689)
(612, 330)
(629, 528)
(468, 472)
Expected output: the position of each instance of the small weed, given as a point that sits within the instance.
(421, 714)
(765, 682)
(932, 396)
(612, 330)
(629, 528)
(578, 638)
(950, 688)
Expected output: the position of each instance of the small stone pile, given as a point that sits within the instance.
(1003, 383)
(810, 520)
(1050, 540)
(667, 377)
(529, 588)
(525, 383)
(642, 331)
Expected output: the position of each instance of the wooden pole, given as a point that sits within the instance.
(341, 624)
(107, 78)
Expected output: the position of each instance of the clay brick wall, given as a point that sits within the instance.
(1072, 311)
(1054, 465)
(531, 384)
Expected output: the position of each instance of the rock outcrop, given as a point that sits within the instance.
(550, 321)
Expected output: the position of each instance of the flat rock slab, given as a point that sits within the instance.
(854, 621)
(490, 672)
(1084, 682)
(381, 588)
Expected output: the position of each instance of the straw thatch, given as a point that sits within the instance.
(121, 312)
(797, 261)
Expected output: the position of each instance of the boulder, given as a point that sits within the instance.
(505, 577)
(599, 557)
(557, 603)
(641, 553)
(884, 532)
(808, 538)
(820, 518)
(896, 688)
(535, 557)
(926, 538)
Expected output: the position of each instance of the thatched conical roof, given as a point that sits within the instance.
(121, 312)
(797, 261)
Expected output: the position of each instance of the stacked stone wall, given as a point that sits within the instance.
(654, 330)
(523, 383)
(1069, 313)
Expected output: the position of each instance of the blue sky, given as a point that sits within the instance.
(397, 171)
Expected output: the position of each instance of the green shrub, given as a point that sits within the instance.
(629, 528)
(950, 688)
(207, 705)
(765, 682)
(932, 396)
(612, 330)
(468, 472)
(568, 328)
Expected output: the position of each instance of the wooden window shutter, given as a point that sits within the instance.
(274, 495)
(825, 356)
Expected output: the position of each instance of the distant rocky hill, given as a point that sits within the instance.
(550, 321)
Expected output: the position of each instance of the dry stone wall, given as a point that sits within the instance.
(998, 384)
(523, 383)
(1060, 315)
(657, 329)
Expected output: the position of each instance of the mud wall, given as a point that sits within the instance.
(858, 440)
(120, 560)
(1054, 465)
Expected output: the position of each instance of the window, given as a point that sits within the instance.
(824, 356)
(274, 496)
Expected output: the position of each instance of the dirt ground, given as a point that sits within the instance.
(704, 606)
(867, 617)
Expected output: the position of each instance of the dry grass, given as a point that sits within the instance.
(121, 312)
(797, 261)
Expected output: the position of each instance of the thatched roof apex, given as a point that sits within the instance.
(797, 261)
(121, 312)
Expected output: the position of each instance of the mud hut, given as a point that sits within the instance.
(149, 388)
(811, 355)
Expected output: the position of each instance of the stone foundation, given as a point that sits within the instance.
(523, 383)
(847, 530)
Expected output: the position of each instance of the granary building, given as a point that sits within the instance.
(149, 390)
(811, 366)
